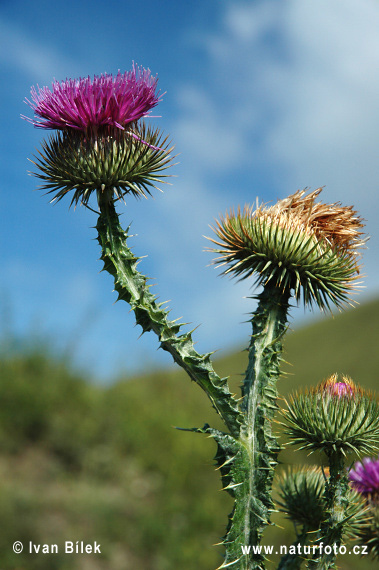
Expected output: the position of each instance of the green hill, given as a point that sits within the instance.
(80, 462)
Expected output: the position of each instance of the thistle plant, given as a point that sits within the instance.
(104, 151)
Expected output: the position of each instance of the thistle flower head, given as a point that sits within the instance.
(365, 477)
(337, 415)
(104, 102)
(298, 243)
(101, 146)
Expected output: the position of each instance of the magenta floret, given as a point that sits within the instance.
(365, 476)
(85, 104)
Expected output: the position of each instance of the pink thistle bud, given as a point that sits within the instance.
(336, 415)
(338, 388)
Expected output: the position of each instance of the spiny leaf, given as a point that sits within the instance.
(132, 287)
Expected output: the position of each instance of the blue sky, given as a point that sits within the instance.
(262, 98)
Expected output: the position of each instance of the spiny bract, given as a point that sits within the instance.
(113, 164)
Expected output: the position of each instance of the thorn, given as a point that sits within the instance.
(230, 460)
(231, 486)
(194, 329)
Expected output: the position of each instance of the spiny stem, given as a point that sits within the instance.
(250, 451)
(336, 503)
(132, 287)
(254, 465)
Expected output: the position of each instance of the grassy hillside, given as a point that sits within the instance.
(83, 462)
(346, 344)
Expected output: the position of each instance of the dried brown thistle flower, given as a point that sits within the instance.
(297, 244)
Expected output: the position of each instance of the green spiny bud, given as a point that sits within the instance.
(301, 496)
(334, 416)
(112, 163)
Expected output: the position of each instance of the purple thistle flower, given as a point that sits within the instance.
(341, 389)
(365, 476)
(102, 103)
(338, 388)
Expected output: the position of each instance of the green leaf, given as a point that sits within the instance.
(132, 287)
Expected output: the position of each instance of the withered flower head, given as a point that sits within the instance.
(298, 243)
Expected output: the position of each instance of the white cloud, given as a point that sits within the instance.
(249, 23)
(299, 78)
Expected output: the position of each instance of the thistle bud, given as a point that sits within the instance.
(302, 498)
(337, 415)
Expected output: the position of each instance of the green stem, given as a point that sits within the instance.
(253, 468)
(336, 503)
(247, 455)
(132, 287)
